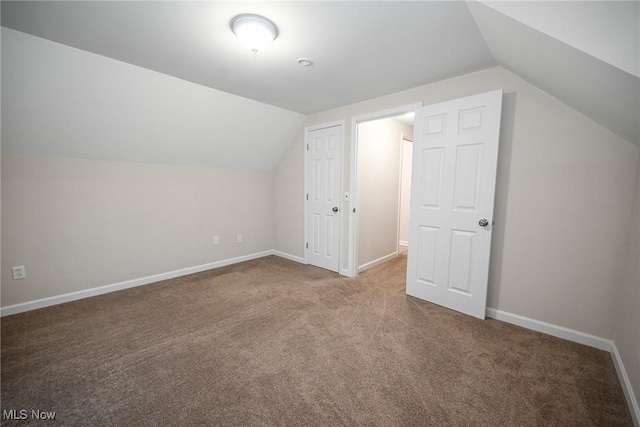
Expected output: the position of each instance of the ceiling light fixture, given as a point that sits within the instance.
(304, 62)
(255, 31)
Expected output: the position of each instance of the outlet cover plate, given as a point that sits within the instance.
(18, 272)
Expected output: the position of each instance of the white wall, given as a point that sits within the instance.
(379, 156)
(565, 184)
(78, 224)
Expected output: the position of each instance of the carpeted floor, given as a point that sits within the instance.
(271, 342)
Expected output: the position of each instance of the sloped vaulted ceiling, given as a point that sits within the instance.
(586, 54)
(251, 106)
(61, 101)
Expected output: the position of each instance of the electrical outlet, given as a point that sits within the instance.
(18, 272)
(216, 240)
(239, 238)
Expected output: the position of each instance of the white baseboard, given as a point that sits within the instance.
(550, 329)
(375, 262)
(403, 243)
(625, 382)
(86, 293)
(581, 338)
(290, 257)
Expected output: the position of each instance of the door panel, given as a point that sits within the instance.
(453, 184)
(468, 158)
(432, 177)
(428, 247)
(324, 158)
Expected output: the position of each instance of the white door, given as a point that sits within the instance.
(455, 157)
(324, 150)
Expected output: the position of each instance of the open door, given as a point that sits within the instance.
(455, 156)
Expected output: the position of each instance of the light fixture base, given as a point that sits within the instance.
(255, 31)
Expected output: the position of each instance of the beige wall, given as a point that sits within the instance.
(405, 188)
(77, 224)
(565, 184)
(288, 195)
(379, 156)
(627, 310)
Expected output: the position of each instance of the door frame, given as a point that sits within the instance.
(353, 219)
(403, 139)
(307, 131)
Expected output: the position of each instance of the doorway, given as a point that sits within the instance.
(380, 186)
(453, 185)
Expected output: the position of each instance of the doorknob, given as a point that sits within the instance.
(335, 209)
(483, 223)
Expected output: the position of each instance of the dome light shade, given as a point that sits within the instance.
(254, 31)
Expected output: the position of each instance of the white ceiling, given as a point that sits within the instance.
(601, 90)
(359, 50)
(362, 50)
(607, 30)
(60, 101)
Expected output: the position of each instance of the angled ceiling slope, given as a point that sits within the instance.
(61, 101)
(597, 75)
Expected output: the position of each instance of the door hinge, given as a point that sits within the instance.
(307, 147)
(307, 245)
(354, 210)
(307, 196)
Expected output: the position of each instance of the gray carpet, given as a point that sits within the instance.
(271, 342)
